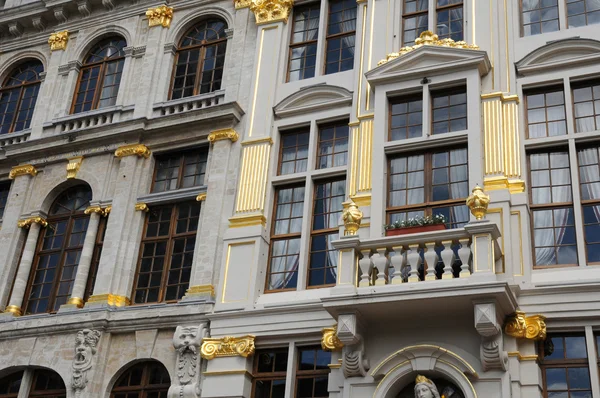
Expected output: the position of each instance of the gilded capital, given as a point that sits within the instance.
(139, 150)
(73, 166)
(160, 16)
(58, 40)
(13, 309)
(267, 11)
(109, 299)
(330, 340)
(242, 3)
(478, 202)
(227, 347)
(224, 134)
(142, 207)
(526, 327)
(25, 169)
(26, 223)
(352, 217)
(201, 197)
(95, 209)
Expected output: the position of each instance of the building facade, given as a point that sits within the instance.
(219, 198)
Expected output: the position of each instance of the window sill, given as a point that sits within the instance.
(14, 138)
(176, 195)
(90, 119)
(431, 141)
(188, 104)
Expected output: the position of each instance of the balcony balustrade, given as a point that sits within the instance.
(91, 119)
(188, 104)
(14, 138)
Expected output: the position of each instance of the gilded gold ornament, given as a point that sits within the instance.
(242, 4)
(522, 327)
(73, 166)
(142, 207)
(352, 217)
(330, 341)
(267, 11)
(224, 134)
(139, 150)
(478, 202)
(58, 40)
(110, 299)
(160, 16)
(23, 170)
(31, 220)
(201, 197)
(205, 290)
(227, 347)
(76, 301)
(13, 309)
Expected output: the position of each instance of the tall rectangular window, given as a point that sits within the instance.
(303, 44)
(341, 32)
(282, 273)
(327, 210)
(589, 183)
(586, 107)
(333, 145)
(551, 202)
(449, 110)
(414, 20)
(180, 170)
(546, 116)
(166, 252)
(429, 183)
(450, 19)
(583, 12)
(312, 373)
(269, 373)
(565, 368)
(293, 157)
(406, 118)
(4, 189)
(539, 16)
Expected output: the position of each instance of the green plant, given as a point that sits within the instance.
(417, 222)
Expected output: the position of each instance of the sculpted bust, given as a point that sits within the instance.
(425, 388)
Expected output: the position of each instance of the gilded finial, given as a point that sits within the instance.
(352, 217)
(478, 202)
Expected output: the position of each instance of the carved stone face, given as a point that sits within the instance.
(85, 347)
(423, 391)
(187, 335)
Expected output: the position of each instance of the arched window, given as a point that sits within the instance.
(47, 384)
(100, 76)
(143, 380)
(58, 252)
(18, 96)
(199, 60)
(9, 385)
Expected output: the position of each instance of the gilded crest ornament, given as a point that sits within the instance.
(352, 217)
(22, 170)
(224, 134)
(330, 340)
(227, 347)
(139, 150)
(58, 40)
(160, 16)
(478, 202)
(267, 11)
(526, 327)
(32, 220)
(73, 166)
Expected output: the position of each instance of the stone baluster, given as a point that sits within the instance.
(431, 259)
(397, 261)
(381, 262)
(448, 259)
(414, 261)
(464, 253)
(365, 268)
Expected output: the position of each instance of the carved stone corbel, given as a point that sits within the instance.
(86, 343)
(187, 341)
(354, 360)
(491, 352)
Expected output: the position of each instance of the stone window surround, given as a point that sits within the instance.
(570, 141)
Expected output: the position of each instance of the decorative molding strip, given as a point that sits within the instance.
(428, 38)
(517, 354)
(139, 150)
(201, 290)
(201, 197)
(267, 11)
(160, 16)
(142, 207)
(26, 223)
(25, 169)
(330, 340)
(58, 40)
(526, 327)
(361, 201)
(247, 221)
(223, 134)
(73, 166)
(228, 372)
(110, 299)
(258, 141)
(227, 347)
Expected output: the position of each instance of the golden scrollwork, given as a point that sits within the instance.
(227, 347)
(352, 217)
(330, 341)
(73, 166)
(142, 207)
(110, 299)
(267, 11)
(428, 38)
(22, 170)
(242, 4)
(526, 327)
(160, 16)
(139, 150)
(223, 134)
(478, 202)
(26, 223)
(201, 197)
(58, 40)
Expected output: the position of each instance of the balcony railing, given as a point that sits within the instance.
(14, 138)
(91, 119)
(188, 104)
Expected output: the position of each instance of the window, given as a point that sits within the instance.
(429, 183)
(539, 16)
(449, 110)
(448, 16)
(166, 253)
(414, 18)
(565, 368)
(341, 32)
(100, 76)
(546, 113)
(303, 44)
(96, 258)
(18, 96)
(551, 203)
(583, 12)
(180, 170)
(406, 118)
(294, 152)
(199, 60)
(58, 252)
(269, 373)
(327, 210)
(333, 145)
(312, 373)
(48, 384)
(4, 189)
(586, 104)
(9, 385)
(589, 182)
(450, 19)
(143, 380)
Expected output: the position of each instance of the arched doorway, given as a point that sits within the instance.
(148, 379)
(44, 383)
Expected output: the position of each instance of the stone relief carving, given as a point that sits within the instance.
(354, 360)
(187, 341)
(86, 343)
(491, 352)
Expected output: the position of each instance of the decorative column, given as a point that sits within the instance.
(85, 260)
(34, 224)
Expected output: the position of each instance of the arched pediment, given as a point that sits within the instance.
(400, 368)
(560, 54)
(313, 98)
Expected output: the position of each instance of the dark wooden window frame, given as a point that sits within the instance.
(307, 43)
(543, 90)
(449, 7)
(302, 130)
(4, 193)
(308, 374)
(329, 37)
(406, 16)
(270, 376)
(144, 388)
(57, 393)
(578, 85)
(18, 375)
(21, 88)
(521, 20)
(586, 12)
(401, 100)
(586, 202)
(182, 155)
(335, 126)
(447, 92)
(560, 363)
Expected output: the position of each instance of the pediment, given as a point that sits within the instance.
(312, 98)
(433, 59)
(560, 54)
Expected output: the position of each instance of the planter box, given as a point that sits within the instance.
(415, 230)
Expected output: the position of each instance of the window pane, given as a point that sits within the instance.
(332, 148)
(449, 111)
